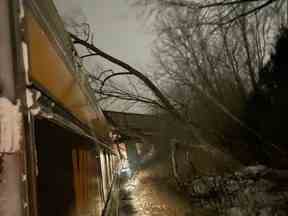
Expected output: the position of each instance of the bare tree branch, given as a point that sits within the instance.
(148, 82)
(254, 10)
(115, 74)
(88, 55)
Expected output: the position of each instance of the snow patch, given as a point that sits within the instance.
(31, 100)
(10, 126)
(241, 193)
(254, 170)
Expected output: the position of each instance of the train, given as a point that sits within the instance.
(57, 152)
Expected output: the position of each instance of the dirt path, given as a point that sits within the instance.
(148, 194)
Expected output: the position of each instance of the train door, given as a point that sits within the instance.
(55, 184)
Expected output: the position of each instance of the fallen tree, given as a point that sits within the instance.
(165, 103)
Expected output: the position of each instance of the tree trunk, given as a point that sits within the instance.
(174, 163)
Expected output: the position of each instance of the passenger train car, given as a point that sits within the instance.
(57, 154)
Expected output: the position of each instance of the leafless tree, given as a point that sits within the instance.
(207, 71)
(212, 68)
(226, 7)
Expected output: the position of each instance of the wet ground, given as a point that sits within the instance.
(149, 193)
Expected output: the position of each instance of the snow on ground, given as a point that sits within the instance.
(253, 191)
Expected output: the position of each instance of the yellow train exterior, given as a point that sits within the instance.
(57, 76)
(66, 164)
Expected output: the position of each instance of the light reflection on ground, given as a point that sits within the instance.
(147, 194)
